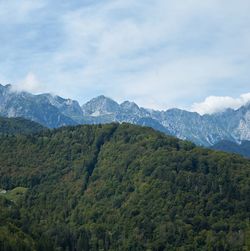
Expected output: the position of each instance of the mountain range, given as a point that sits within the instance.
(53, 111)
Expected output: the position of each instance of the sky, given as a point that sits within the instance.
(160, 54)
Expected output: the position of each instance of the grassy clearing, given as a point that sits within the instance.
(14, 194)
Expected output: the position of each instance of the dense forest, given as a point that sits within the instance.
(120, 187)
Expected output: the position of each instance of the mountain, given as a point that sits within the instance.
(67, 107)
(237, 122)
(19, 126)
(206, 130)
(53, 111)
(120, 187)
(44, 108)
(228, 146)
(202, 130)
(100, 106)
(103, 110)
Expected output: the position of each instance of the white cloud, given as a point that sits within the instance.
(215, 104)
(170, 84)
(30, 83)
(155, 57)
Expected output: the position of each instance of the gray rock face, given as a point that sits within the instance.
(100, 106)
(67, 107)
(38, 108)
(54, 111)
(202, 130)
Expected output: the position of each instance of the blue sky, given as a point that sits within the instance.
(159, 53)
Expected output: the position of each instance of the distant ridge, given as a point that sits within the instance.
(232, 147)
(19, 126)
(54, 111)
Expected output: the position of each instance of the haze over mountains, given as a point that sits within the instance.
(231, 147)
(54, 111)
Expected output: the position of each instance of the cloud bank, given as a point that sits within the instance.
(214, 104)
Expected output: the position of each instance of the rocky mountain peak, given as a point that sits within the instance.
(100, 105)
(129, 105)
(5, 88)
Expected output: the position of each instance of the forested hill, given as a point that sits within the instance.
(120, 187)
(19, 126)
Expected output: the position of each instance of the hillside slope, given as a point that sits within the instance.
(123, 187)
(19, 126)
